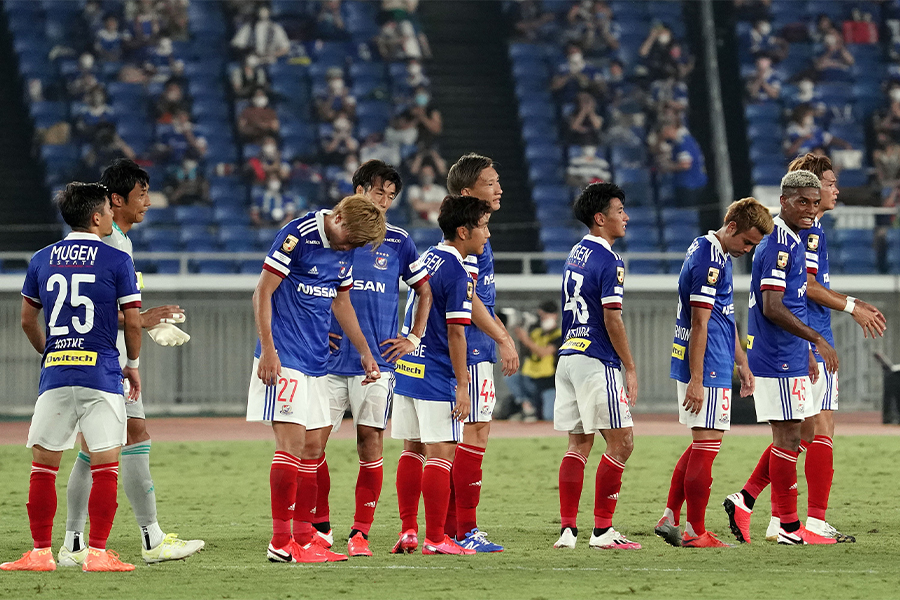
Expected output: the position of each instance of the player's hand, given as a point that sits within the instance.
(631, 386)
(748, 381)
(334, 340)
(463, 404)
(373, 373)
(870, 319)
(693, 397)
(171, 313)
(509, 358)
(813, 368)
(830, 355)
(165, 334)
(269, 367)
(133, 377)
(399, 346)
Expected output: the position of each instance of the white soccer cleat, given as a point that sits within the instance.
(566, 540)
(612, 540)
(67, 558)
(824, 529)
(772, 529)
(172, 548)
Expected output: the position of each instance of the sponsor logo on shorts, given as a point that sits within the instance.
(785, 366)
(579, 344)
(79, 358)
(130, 401)
(411, 369)
(486, 411)
(678, 351)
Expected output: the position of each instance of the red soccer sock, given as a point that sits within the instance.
(676, 487)
(606, 490)
(436, 493)
(368, 490)
(783, 469)
(467, 485)
(323, 483)
(697, 481)
(42, 503)
(819, 475)
(759, 479)
(409, 488)
(305, 500)
(283, 486)
(450, 520)
(774, 497)
(571, 482)
(102, 503)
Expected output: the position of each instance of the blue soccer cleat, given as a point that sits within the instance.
(477, 541)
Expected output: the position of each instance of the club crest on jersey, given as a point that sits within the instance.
(812, 242)
(620, 274)
(782, 260)
(381, 262)
(470, 289)
(343, 271)
(290, 242)
(286, 409)
(712, 277)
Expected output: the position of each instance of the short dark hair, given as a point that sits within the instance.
(121, 175)
(461, 211)
(374, 170)
(549, 306)
(814, 163)
(78, 202)
(464, 173)
(595, 199)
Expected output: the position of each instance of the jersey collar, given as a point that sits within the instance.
(320, 224)
(711, 236)
(599, 240)
(779, 222)
(119, 229)
(83, 235)
(451, 250)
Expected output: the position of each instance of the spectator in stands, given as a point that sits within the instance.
(374, 146)
(427, 118)
(340, 142)
(534, 388)
(85, 81)
(186, 183)
(804, 135)
(109, 42)
(835, 56)
(272, 206)
(93, 15)
(677, 152)
(532, 23)
(822, 28)
(341, 184)
(887, 123)
(160, 60)
(104, 146)
(763, 41)
(336, 98)
(389, 41)
(263, 37)
(887, 165)
(258, 119)
(586, 168)
(414, 45)
(178, 139)
(415, 77)
(402, 130)
(669, 96)
(172, 100)
(96, 112)
(428, 156)
(590, 25)
(268, 163)
(248, 77)
(584, 124)
(656, 52)
(576, 75)
(764, 84)
(329, 22)
(425, 196)
(173, 17)
(145, 24)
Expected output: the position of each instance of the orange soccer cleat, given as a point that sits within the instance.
(358, 545)
(38, 559)
(706, 539)
(104, 560)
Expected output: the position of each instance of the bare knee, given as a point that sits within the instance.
(476, 434)
(581, 443)
(137, 431)
(369, 443)
(415, 447)
(619, 443)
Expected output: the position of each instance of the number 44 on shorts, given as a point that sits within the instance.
(488, 398)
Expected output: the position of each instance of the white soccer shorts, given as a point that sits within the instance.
(590, 396)
(824, 392)
(61, 412)
(715, 413)
(295, 398)
(426, 421)
(781, 398)
(369, 404)
(481, 392)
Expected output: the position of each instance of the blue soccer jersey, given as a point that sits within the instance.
(780, 265)
(81, 283)
(427, 373)
(817, 264)
(376, 298)
(593, 280)
(479, 345)
(705, 282)
(313, 275)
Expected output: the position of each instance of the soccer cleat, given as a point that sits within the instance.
(477, 540)
(104, 560)
(294, 553)
(38, 559)
(326, 540)
(772, 529)
(407, 544)
(445, 546)
(802, 536)
(612, 540)
(566, 539)
(738, 517)
(704, 540)
(172, 548)
(314, 552)
(358, 546)
(67, 558)
(822, 528)
(668, 531)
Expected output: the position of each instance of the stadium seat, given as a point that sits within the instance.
(425, 237)
(853, 238)
(553, 195)
(642, 266)
(213, 267)
(643, 235)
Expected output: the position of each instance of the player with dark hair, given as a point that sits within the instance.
(129, 186)
(779, 351)
(86, 283)
(306, 277)
(376, 299)
(704, 353)
(433, 385)
(591, 395)
(476, 175)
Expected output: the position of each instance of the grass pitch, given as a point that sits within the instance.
(219, 492)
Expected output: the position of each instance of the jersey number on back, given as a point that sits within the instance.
(75, 300)
(574, 301)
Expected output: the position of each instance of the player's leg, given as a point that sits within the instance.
(289, 441)
(320, 518)
(339, 401)
(78, 490)
(667, 526)
(567, 417)
(608, 483)
(405, 426)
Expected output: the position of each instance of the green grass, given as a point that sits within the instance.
(219, 492)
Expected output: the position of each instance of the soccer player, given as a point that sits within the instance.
(704, 353)
(590, 395)
(475, 175)
(817, 430)
(433, 387)
(780, 356)
(83, 283)
(129, 187)
(376, 300)
(306, 278)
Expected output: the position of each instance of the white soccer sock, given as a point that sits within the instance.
(689, 530)
(78, 491)
(74, 538)
(151, 535)
(668, 514)
(141, 494)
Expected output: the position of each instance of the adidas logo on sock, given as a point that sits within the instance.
(613, 496)
(793, 487)
(476, 484)
(370, 504)
(313, 271)
(291, 507)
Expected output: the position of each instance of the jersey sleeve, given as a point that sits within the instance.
(127, 292)
(346, 281)
(471, 265)
(611, 280)
(285, 249)
(774, 267)
(459, 300)
(705, 276)
(31, 290)
(413, 272)
(811, 239)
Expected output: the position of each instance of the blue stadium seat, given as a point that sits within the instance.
(640, 216)
(543, 151)
(767, 175)
(646, 267)
(545, 173)
(161, 239)
(628, 157)
(213, 267)
(680, 216)
(250, 267)
(229, 215)
(425, 237)
(536, 132)
(854, 178)
(857, 260)
(552, 195)
(236, 238)
(535, 110)
(160, 216)
(855, 238)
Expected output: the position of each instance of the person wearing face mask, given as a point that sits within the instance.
(263, 37)
(765, 84)
(425, 197)
(575, 75)
(763, 41)
(96, 113)
(534, 388)
(804, 135)
(661, 55)
(835, 56)
(272, 206)
(248, 77)
(427, 118)
(340, 143)
(267, 163)
(85, 81)
(186, 183)
(336, 97)
(258, 119)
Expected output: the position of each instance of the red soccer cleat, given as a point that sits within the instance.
(446, 546)
(408, 542)
(802, 536)
(38, 559)
(358, 546)
(704, 540)
(738, 517)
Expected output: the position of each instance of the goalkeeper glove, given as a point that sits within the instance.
(166, 334)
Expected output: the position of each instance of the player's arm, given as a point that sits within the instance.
(615, 327)
(775, 310)
(269, 365)
(31, 325)
(693, 399)
(748, 381)
(400, 345)
(493, 327)
(456, 341)
(869, 318)
(133, 332)
(346, 317)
